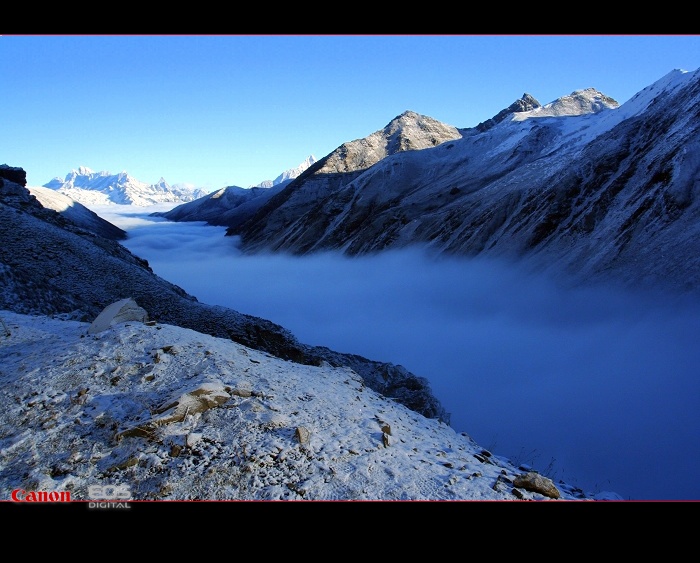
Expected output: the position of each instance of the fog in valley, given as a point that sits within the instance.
(596, 387)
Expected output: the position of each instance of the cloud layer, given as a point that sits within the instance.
(595, 386)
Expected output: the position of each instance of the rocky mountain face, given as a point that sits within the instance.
(102, 188)
(526, 103)
(409, 132)
(49, 265)
(582, 187)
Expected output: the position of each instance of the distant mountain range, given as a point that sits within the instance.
(582, 186)
(287, 175)
(102, 188)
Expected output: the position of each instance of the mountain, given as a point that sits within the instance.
(289, 174)
(233, 205)
(582, 187)
(77, 213)
(185, 401)
(102, 188)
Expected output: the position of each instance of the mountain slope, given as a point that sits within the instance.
(380, 202)
(405, 133)
(583, 186)
(77, 212)
(228, 206)
(168, 413)
(233, 205)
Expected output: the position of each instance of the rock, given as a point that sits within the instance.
(302, 435)
(118, 312)
(536, 483)
(13, 174)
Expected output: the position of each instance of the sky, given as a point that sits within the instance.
(211, 111)
(596, 387)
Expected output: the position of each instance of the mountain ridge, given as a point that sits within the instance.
(585, 188)
(103, 188)
(234, 204)
(77, 212)
(582, 187)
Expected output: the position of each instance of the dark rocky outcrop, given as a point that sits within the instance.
(526, 103)
(13, 174)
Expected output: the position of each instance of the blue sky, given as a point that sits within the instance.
(214, 111)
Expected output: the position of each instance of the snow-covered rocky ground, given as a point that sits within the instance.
(167, 413)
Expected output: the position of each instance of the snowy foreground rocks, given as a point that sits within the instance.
(175, 414)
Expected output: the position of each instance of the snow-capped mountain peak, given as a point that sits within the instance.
(580, 102)
(82, 171)
(102, 188)
(524, 104)
(295, 172)
(234, 204)
(406, 132)
(289, 174)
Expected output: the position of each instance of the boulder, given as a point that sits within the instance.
(118, 312)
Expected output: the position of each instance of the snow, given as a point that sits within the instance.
(90, 188)
(577, 103)
(52, 199)
(585, 128)
(173, 414)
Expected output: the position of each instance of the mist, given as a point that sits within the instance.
(595, 386)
